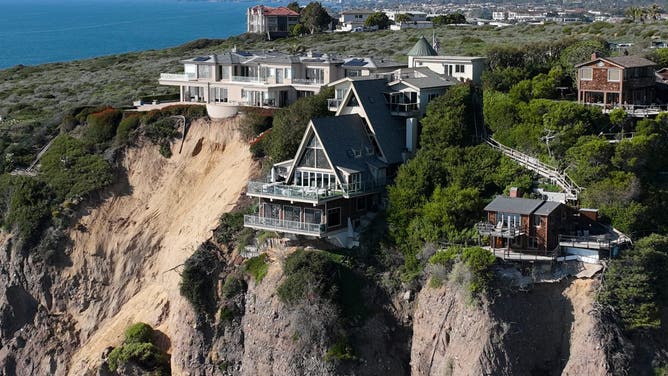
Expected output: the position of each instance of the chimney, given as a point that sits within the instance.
(514, 192)
(591, 214)
(594, 56)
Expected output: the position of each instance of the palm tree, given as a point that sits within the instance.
(654, 12)
(631, 12)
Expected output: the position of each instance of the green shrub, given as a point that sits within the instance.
(257, 267)
(228, 227)
(101, 126)
(139, 348)
(233, 286)
(139, 333)
(340, 350)
(25, 205)
(127, 125)
(480, 261)
(198, 279)
(72, 171)
(145, 355)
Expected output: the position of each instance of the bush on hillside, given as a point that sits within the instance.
(127, 125)
(138, 333)
(198, 278)
(25, 205)
(101, 126)
(257, 267)
(138, 348)
(72, 171)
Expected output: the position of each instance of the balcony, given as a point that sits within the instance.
(404, 109)
(292, 227)
(290, 192)
(499, 230)
(334, 104)
(307, 81)
(178, 77)
(297, 193)
(250, 79)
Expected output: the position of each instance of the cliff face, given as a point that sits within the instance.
(549, 330)
(122, 265)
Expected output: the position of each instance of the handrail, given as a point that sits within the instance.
(562, 179)
(282, 225)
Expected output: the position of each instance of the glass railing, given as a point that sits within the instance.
(403, 107)
(252, 79)
(308, 81)
(255, 221)
(281, 190)
(178, 77)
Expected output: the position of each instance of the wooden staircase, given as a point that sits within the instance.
(561, 179)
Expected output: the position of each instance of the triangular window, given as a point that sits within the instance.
(314, 155)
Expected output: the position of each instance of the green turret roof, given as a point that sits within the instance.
(422, 48)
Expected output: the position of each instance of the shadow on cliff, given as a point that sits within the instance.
(535, 329)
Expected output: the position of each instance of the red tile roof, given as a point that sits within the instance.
(278, 11)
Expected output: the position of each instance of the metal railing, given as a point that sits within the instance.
(178, 77)
(310, 194)
(280, 225)
(403, 107)
(308, 81)
(486, 228)
(334, 103)
(251, 79)
(588, 242)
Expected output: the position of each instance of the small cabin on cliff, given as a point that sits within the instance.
(545, 228)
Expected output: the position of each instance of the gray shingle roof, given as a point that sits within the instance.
(547, 208)
(631, 61)
(513, 205)
(422, 48)
(390, 130)
(339, 136)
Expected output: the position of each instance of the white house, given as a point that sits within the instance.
(462, 68)
(354, 18)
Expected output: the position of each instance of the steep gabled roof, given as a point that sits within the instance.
(345, 141)
(390, 130)
(422, 48)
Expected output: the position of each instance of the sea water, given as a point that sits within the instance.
(42, 31)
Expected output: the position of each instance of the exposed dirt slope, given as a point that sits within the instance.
(123, 262)
(124, 251)
(549, 330)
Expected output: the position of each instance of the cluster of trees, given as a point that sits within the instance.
(439, 194)
(449, 19)
(642, 14)
(313, 18)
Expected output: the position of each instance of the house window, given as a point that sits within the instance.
(614, 75)
(431, 96)
(292, 213)
(586, 74)
(536, 220)
(312, 215)
(532, 242)
(334, 217)
(203, 71)
(218, 94)
(509, 219)
(459, 68)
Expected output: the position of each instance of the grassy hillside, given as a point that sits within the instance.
(33, 99)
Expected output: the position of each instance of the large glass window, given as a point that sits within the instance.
(292, 213)
(203, 71)
(509, 219)
(312, 215)
(314, 156)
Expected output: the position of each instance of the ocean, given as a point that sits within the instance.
(43, 31)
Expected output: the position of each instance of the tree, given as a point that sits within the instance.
(378, 19)
(290, 122)
(294, 6)
(403, 17)
(315, 17)
(449, 19)
(449, 120)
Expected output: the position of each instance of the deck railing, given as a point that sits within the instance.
(307, 81)
(587, 242)
(178, 77)
(280, 225)
(486, 228)
(310, 194)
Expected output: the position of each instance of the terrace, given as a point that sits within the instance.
(296, 193)
(280, 225)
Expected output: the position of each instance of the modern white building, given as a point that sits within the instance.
(352, 19)
(463, 68)
(263, 79)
